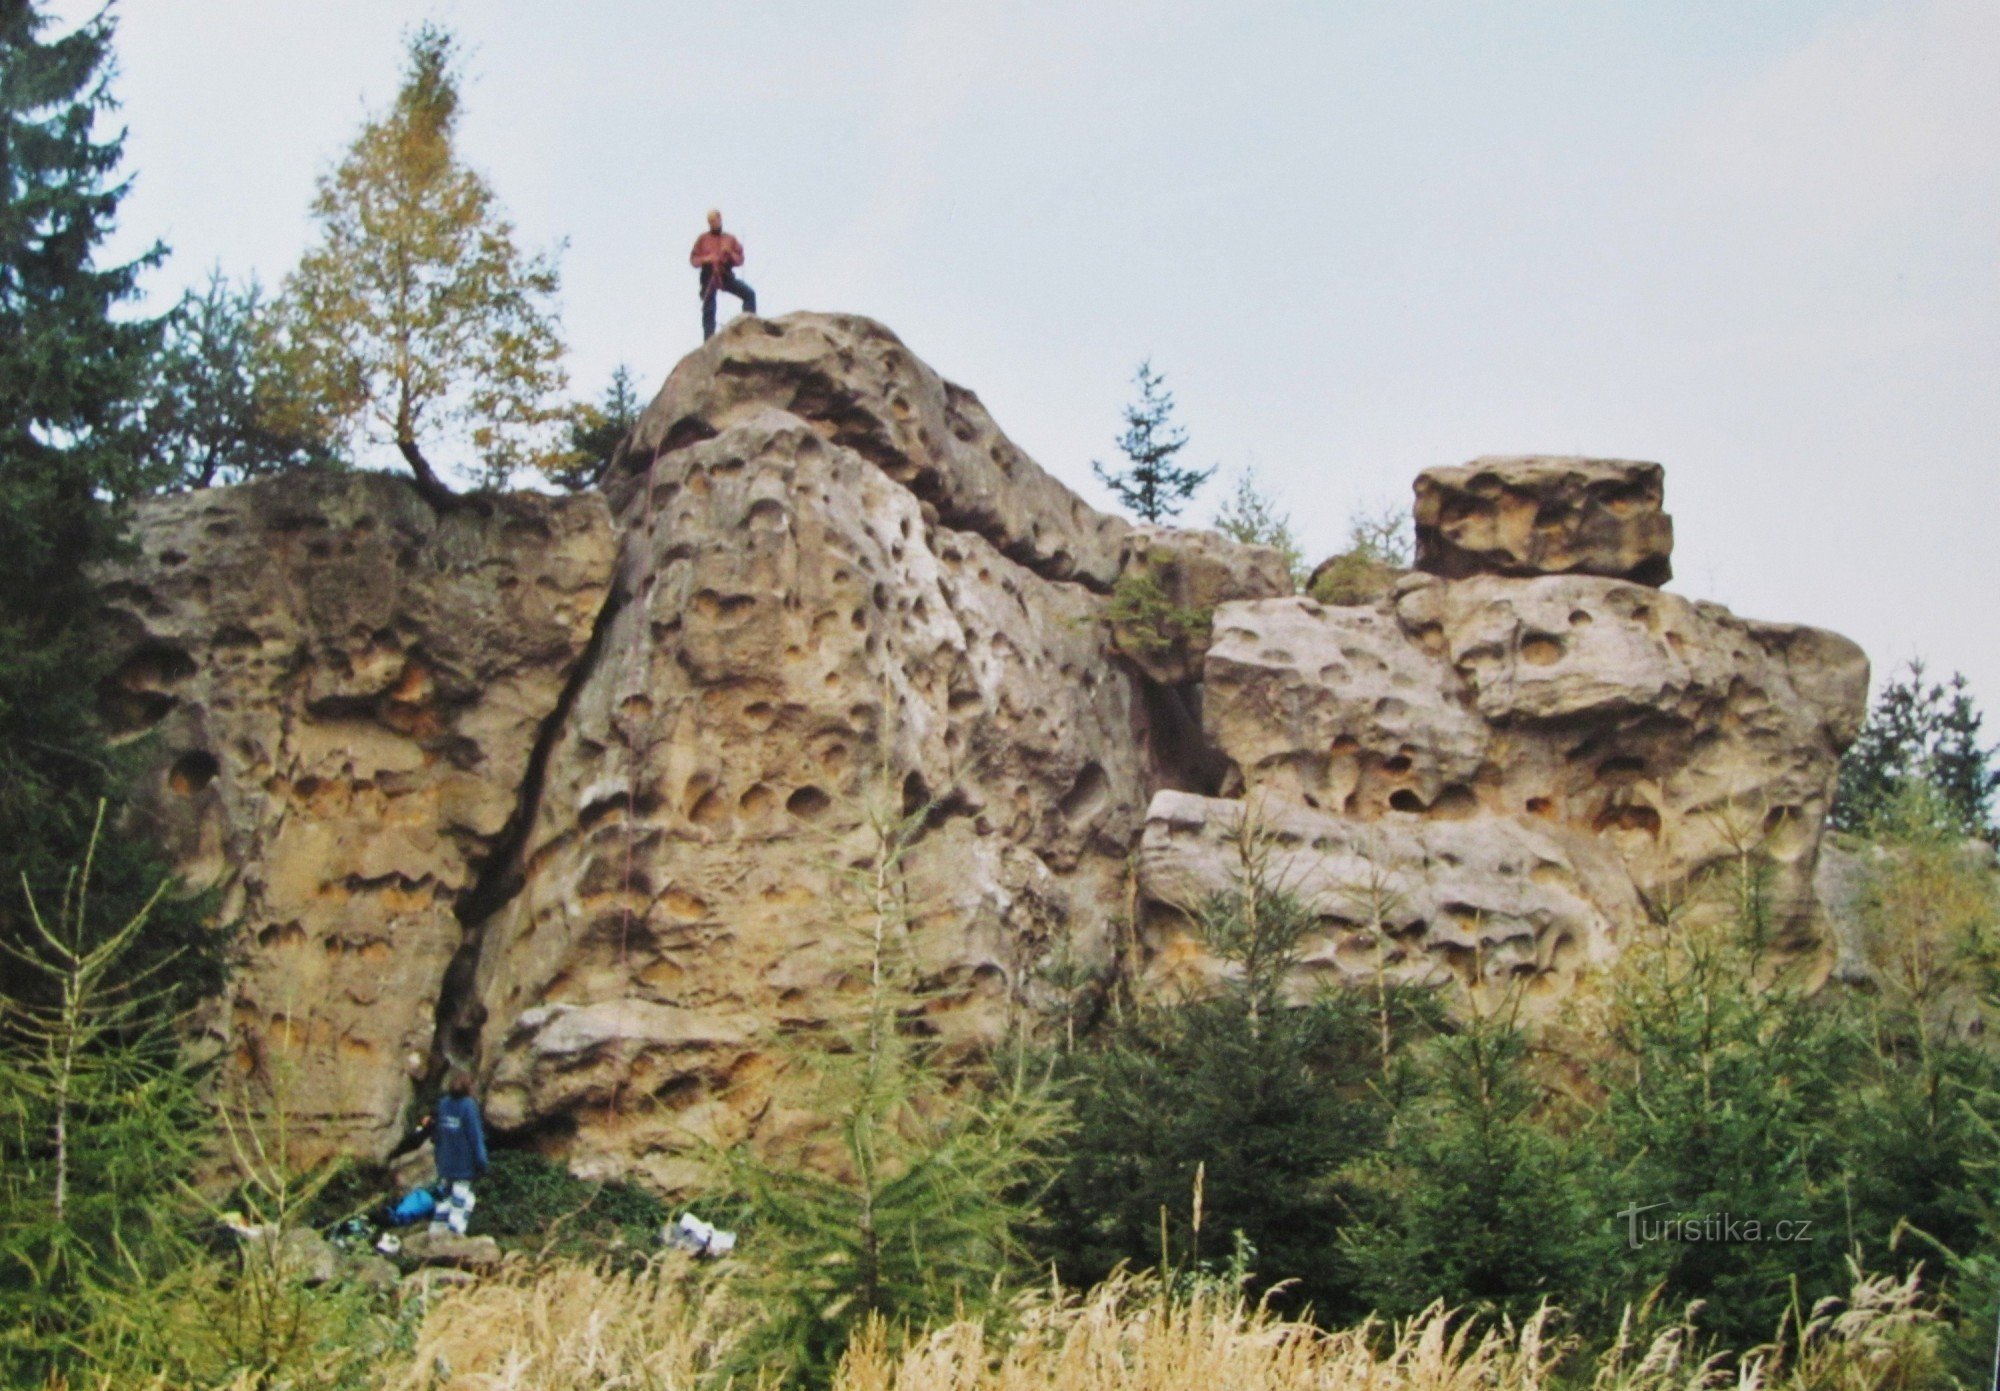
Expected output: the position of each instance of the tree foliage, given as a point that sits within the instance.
(1150, 482)
(1378, 550)
(416, 318)
(99, 1117)
(223, 406)
(905, 1210)
(1475, 1192)
(595, 430)
(74, 371)
(1252, 516)
(1721, 1095)
(1924, 730)
(1259, 1102)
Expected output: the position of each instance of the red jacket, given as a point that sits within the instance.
(716, 252)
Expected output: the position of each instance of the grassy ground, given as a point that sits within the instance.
(561, 1325)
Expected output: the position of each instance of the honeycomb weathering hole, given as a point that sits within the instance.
(808, 802)
(193, 771)
(1541, 650)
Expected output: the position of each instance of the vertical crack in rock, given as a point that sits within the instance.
(460, 1014)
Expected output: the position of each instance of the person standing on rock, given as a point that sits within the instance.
(716, 256)
(458, 1142)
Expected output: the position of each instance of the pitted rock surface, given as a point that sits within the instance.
(859, 387)
(1415, 902)
(1545, 515)
(1673, 735)
(1186, 574)
(797, 635)
(343, 691)
(567, 792)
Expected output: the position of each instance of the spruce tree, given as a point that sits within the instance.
(596, 430)
(100, 1118)
(1262, 1102)
(72, 372)
(1926, 730)
(221, 407)
(1151, 483)
(905, 1208)
(1476, 1199)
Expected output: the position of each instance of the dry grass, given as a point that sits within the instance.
(1124, 1336)
(568, 1327)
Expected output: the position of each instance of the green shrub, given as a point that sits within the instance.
(1476, 1198)
(535, 1201)
(1378, 553)
(1268, 1102)
(1146, 621)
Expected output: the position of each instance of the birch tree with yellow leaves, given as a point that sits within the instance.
(416, 319)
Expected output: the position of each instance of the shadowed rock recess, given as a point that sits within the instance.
(557, 789)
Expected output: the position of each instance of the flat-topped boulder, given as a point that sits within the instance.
(1536, 514)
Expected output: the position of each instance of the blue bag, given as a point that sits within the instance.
(413, 1206)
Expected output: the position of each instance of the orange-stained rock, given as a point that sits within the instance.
(1545, 515)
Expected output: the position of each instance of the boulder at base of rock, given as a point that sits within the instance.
(299, 1254)
(474, 1253)
(1545, 515)
(372, 1272)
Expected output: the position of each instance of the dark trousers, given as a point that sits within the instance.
(729, 282)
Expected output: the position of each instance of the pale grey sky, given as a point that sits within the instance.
(1757, 242)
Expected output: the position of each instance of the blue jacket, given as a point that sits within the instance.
(459, 1139)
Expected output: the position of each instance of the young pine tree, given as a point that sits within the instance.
(99, 1120)
(1722, 1093)
(1920, 1120)
(1150, 482)
(1268, 1100)
(1477, 1199)
(596, 430)
(416, 319)
(905, 1212)
(1252, 516)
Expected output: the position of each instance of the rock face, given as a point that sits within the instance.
(858, 387)
(1401, 899)
(1162, 615)
(345, 691)
(569, 791)
(1619, 742)
(1544, 515)
(841, 586)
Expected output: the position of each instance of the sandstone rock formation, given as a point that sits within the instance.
(1399, 899)
(344, 692)
(1545, 515)
(482, 790)
(840, 584)
(569, 791)
(1162, 617)
(1638, 739)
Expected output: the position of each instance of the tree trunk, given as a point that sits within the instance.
(430, 487)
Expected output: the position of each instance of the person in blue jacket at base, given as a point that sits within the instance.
(458, 1142)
